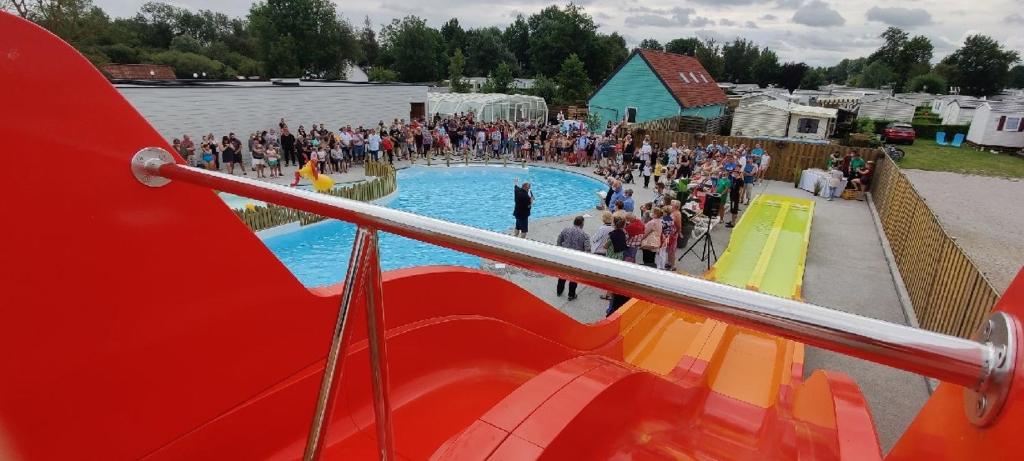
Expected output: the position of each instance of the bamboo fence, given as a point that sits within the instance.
(383, 183)
(949, 293)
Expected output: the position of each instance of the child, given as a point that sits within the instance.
(274, 161)
(647, 174)
(659, 170)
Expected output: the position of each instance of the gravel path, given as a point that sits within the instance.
(984, 214)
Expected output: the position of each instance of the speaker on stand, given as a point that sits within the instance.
(712, 204)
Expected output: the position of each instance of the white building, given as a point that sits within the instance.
(940, 103)
(998, 124)
(244, 107)
(884, 107)
(918, 99)
(960, 111)
(780, 119)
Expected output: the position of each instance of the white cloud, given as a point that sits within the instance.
(900, 17)
(818, 14)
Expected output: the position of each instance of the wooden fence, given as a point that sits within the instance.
(788, 159)
(949, 293)
(264, 217)
(686, 124)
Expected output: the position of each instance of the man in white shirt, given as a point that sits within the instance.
(346, 141)
(763, 167)
(673, 154)
(373, 144)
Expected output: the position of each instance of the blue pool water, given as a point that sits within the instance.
(476, 196)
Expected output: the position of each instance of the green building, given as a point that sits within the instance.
(655, 84)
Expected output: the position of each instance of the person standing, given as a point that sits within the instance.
(523, 203)
(736, 187)
(762, 168)
(574, 238)
(373, 145)
(288, 147)
(651, 242)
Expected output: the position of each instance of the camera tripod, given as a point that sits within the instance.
(708, 252)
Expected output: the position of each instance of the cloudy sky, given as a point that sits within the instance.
(819, 32)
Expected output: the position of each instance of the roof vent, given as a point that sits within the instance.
(702, 77)
(694, 77)
(683, 76)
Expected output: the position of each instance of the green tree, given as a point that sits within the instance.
(982, 66)
(877, 75)
(499, 81)
(414, 50)
(607, 52)
(893, 40)
(186, 44)
(555, 33)
(928, 83)
(738, 59)
(486, 50)
(369, 49)
(186, 65)
(545, 88)
(517, 40)
(813, 79)
(382, 74)
(710, 56)
(766, 68)
(316, 43)
(454, 36)
(456, 66)
(906, 57)
(1016, 77)
(573, 83)
(651, 44)
(791, 74)
(684, 46)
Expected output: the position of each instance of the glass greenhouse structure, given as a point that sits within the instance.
(489, 107)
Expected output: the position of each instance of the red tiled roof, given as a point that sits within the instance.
(691, 92)
(139, 71)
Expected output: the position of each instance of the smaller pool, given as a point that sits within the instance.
(478, 196)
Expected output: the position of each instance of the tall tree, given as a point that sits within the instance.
(877, 75)
(368, 47)
(710, 56)
(1016, 77)
(893, 40)
(813, 78)
(685, 46)
(517, 40)
(738, 59)
(486, 50)
(454, 36)
(317, 43)
(499, 81)
(982, 66)
(412, 49)
(456, 66)
(766, 68)
(573, 83)
(556, 33)
(928, 83)
(651, 44)
(791, 74)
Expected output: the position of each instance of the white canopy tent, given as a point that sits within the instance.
(489, 107)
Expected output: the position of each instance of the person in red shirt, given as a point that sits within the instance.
(634, 235)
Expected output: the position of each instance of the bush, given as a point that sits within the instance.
(930, 83)
(865, 125)
(123, 54)
(187, 64)
(382, 74)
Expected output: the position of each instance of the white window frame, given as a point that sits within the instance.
(683, 76)
(636, 113)
(1016, 127)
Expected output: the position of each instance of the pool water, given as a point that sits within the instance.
(478, 196)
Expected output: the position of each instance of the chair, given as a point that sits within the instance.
(940, 138)
(958, 139)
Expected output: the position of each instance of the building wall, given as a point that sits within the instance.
(759, 120)
(887, 109)
(705, 111)
(823, 127)
(984, 131)
(634, 85)
(195, 111)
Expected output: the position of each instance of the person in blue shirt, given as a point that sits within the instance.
(748, 181)
(627, 201)
(757, 151)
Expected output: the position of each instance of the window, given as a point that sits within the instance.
(631, 115)
(683, 76)
(694, 77)
(702, 77)
(807, 125)
(1012, 124)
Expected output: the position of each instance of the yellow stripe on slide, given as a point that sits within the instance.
(769, 249)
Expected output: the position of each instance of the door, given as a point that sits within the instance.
(417, 110)
(631, 114)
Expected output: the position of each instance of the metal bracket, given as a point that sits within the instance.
(983, 404)
(148, 159)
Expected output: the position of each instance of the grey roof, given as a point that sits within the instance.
(1006, 106)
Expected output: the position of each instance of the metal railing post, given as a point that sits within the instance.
(376, 334)
(335, 358)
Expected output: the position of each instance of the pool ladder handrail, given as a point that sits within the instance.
(983, 366)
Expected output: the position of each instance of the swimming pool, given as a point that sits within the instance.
(478, 196)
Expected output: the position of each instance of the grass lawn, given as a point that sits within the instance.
(926, 155)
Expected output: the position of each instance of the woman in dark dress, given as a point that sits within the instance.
(227, 154)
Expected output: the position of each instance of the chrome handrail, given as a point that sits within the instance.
(968, 363)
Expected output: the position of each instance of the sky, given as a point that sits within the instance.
(818, 32)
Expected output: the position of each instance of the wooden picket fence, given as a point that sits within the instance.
(949, 293)
(788, 159)
(686, 124)
(383, 183)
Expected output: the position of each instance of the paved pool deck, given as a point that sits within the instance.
(846, 270)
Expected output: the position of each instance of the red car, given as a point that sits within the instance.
(899, 132)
